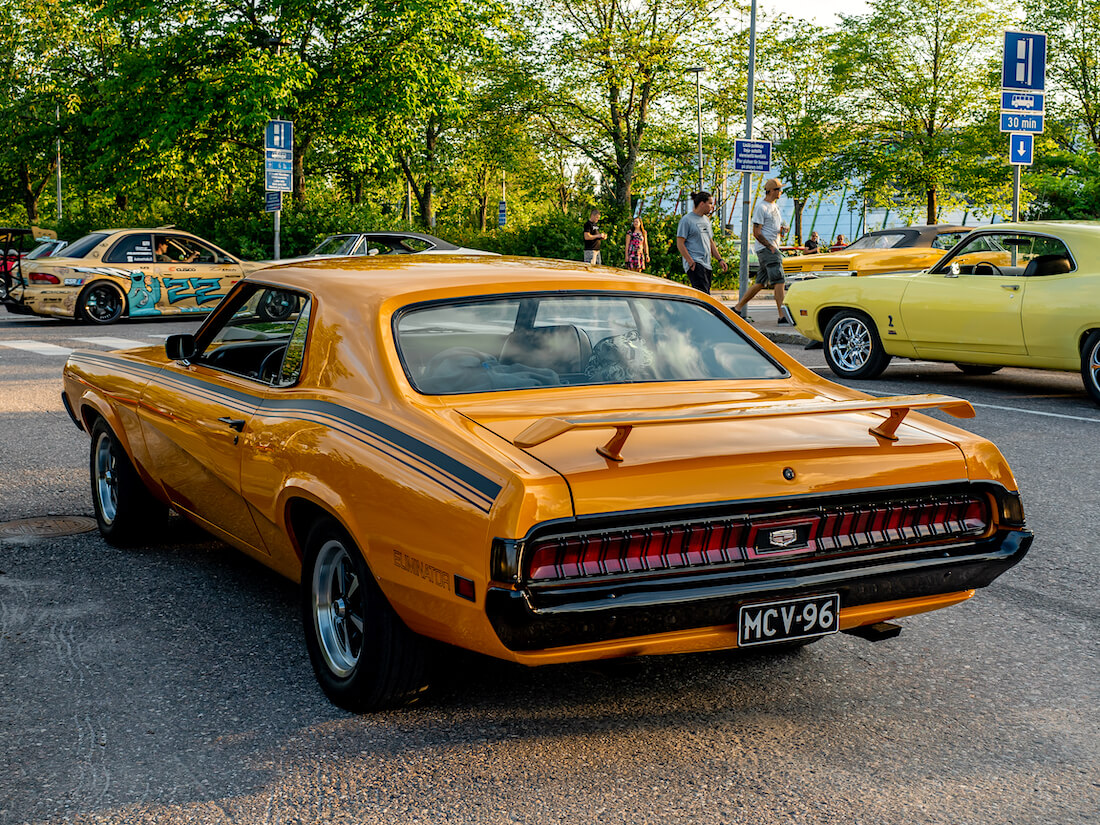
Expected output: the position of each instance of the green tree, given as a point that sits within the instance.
(917, 75)
(607, 64)
(799, 110)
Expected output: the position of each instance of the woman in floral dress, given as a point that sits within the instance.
(637, 246)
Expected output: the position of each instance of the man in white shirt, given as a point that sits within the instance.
(767, 224)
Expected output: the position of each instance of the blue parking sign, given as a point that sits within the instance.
(1025, 62)
(752, 156)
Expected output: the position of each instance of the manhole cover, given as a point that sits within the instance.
(46, 527)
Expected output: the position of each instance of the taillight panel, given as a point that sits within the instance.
(44, 278)
(760, 537)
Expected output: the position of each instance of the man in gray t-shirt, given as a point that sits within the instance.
(695, 242)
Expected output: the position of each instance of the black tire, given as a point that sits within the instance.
(127, 513)
(363, 655)
(1090, 365)
(101, 302)
(977, 369)
(853, 348)
(276, 305)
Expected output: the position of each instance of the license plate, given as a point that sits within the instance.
(782, 621)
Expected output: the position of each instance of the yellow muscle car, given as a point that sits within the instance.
(1012, 294)
(137, 273)
(539, 461)
(899, 249)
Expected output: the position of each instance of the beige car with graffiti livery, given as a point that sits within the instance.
(117, 273)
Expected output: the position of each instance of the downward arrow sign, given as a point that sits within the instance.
(1021, 150)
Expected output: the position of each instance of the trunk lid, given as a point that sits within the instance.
(693, 448)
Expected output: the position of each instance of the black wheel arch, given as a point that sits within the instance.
(826, 315)
(301, 515)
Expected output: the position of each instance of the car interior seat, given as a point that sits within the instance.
(563, 348)
(1047, 265)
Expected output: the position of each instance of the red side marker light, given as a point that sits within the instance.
(464, 588)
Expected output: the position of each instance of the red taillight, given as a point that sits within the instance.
(759, 538)
(44, 278)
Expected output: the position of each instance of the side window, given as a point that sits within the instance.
(196, 252)
(1011, 254)
(131, 249)
(264, 339)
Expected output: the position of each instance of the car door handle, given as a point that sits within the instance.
(236, 423)
(1013, 287)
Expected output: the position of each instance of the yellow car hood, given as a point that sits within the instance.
(700, 449)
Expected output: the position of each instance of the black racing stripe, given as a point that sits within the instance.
(486, 486)
(437, 474)
(444, 482)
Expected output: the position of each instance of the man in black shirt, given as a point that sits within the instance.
(592, 238)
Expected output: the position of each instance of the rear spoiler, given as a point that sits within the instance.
(897, 407)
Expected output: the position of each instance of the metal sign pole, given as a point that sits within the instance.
(743, 277)
(1015, 195)
(59, 210)
(278, 230)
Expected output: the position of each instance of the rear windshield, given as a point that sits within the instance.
(79, 249)
(887, 240)
(529, 341)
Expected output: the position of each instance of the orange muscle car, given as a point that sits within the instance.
(539, 461)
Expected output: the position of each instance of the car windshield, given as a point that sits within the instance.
(78, 249)
(336, 245)
(886, 240)
(529, 341)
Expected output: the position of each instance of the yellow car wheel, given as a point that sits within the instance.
(1090, 365)
(364, 656)
(853, 348)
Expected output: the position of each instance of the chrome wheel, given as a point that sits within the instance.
(338, 608)
(105, 479)
(1090, 366)
(101, 303)
(850, 344)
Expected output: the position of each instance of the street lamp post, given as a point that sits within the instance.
(743, 279)
(699, 119)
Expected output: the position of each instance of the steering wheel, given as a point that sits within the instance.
(993, 267)
(272, 364)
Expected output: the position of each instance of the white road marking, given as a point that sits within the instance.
(38, 347)
(1036, 412)
(999, 406)
(113, 343)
